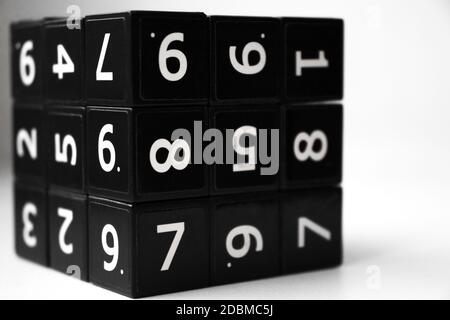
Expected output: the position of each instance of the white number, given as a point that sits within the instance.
(309, 151)
(105, 144)
(171, 160)
(165, 54)
(64, 63)
(111, 251)
(245, 67)
(27, 210)
(99, 74)
(246, 231)
(27, 66)
(320, 62)
(304, 223)
(62, 151)
(243, 151)
(68, 217)
(29, 140)
(178, 228)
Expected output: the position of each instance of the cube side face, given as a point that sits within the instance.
(245, 238)
(111, 245)
(68, 234)
(108, 60)
(172, 247)
(30, 149)
(313, 145)
(313, 59)
(245, 60)
(110, 152)
(67, 148)
(312, 224)
(31, 223)
(170, 58)
(165, 163)
(26, 61)
(64, 62)
(245, 174)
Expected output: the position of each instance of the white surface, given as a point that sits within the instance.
(397, 154)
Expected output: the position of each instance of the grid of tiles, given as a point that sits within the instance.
(104, 190)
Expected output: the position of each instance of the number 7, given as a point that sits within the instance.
(178, 228)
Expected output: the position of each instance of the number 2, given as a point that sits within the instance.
(67, 214)
(178, 228)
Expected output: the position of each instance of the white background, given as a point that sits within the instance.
(396, 155)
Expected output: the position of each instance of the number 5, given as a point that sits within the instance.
(171, 227)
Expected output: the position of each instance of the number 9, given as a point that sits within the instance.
(111, 251)
(245, 67)
(246, 231)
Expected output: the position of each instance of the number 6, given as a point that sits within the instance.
(165, 54)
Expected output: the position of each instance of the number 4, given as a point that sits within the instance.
(64, 63)
(178, 228)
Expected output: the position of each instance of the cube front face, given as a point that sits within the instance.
(67, 143)
(31, 226)
(165, 163)
(313, 59)
(68, 233)
(245, 61)
(172, 57)
(245, 242)
(312, 224)
(29, 144)
(246, 172)
(27, 57)
(111, 245)
(313, 145)
(109, 151)
(64, 62)
(172, 247)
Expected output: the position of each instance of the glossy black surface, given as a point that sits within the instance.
(68, 238)
(67, 148)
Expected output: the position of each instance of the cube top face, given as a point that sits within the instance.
(313, 145)
(147, 58)
(312, 224)
(67, 142)
(68, 233)
(26, 56)
(245, 64)
(313, 59)
(247, 172)
(64, 62)
(30, 148)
